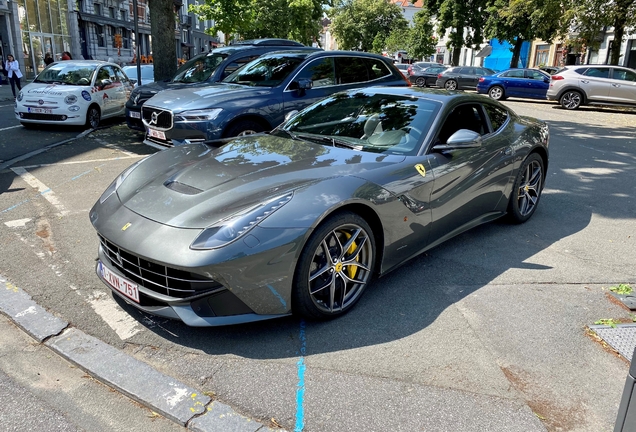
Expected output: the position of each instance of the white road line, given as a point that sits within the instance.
(45, 191)
(122, 323)
(80, 162)
(19, 223)
(10, 127)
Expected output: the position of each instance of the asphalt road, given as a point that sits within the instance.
(486, 332)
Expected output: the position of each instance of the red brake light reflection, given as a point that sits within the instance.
(482, 79)
(439, 75)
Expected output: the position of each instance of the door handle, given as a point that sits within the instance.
(615, 85)
(585, 81)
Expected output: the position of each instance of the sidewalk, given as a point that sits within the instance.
(5, 90)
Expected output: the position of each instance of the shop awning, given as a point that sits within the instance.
(485, 51)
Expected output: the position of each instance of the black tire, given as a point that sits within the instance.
(571, 99)
(497, 93)
(526, 191)
(93, 117)
(451, 84)
(243, 127)
(28, 125)
(325, 287)
(420, 82)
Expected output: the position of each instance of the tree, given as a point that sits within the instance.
(356, 24)
(162, 17)
(517, 21)
(591, 16)
(421, 42)
(464, 18)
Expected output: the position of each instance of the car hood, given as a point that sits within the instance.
(203, 96)
(42, 90)
(194, 186)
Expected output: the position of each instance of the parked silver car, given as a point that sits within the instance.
(579, 85)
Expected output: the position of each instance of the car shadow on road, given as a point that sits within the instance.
(599, 182)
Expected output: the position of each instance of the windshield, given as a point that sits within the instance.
(266, 72)
(198, 69)
(65, 73)
(380, 123)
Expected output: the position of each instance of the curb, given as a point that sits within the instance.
(159, 392)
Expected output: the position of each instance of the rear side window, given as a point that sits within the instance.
(498, 116)
(350, 70)
(625, 75)
(377, 68)
(320, 71)
(514, 74)
(467, 71)
(237, 63)
(536, 75)
(597, 72)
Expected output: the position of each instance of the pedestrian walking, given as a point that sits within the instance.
(66, 56)
(13, 73)
(48, 59)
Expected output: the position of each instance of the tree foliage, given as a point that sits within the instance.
(418, 40)
(162, 17)
(356, 24)
(292, 19)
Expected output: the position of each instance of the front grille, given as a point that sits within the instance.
(49, 117)
(167, 143)
(156, 277)
(157, 118)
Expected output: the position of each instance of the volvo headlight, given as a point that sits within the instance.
(198, 115)
(118, 181)
(237, 225)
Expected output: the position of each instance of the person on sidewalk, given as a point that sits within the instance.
(48, 59)
(13, 73)
(66, 56)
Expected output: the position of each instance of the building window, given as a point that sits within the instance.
(125, 35)
(97, 8)
(124, 15)
(111, 12)
(542, 55)
(100, 35)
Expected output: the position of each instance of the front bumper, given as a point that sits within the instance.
(68, 118)
(133, 119)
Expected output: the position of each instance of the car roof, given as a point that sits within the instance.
(316, 52)
(267, 42)
(85, 63)
(440, 95)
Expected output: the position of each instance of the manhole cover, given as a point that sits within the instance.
(622, 338)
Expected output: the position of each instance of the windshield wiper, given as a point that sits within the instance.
(291, 134)
(335, 142)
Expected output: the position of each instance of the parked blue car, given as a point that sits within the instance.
(521, 83)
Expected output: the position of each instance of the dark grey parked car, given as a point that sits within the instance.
(301, 219)
(462, 77)
(208, 67)
(257, 97)
(428, 76)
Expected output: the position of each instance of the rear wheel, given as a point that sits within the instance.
(420, 82)
(571, 99)
(334, 267)
(244, 127)
(450, 85)
(527, 189)
(496, 93)
(93, 117)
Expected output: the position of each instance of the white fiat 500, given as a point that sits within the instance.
(74, 92)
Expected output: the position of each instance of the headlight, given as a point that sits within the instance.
(198, 115)
(74, 108)
(20, 96)
(118, 181)
(70, 99)
(237, 225)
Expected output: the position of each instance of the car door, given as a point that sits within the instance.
(595, 82)
(514, 82)
(121, 91)
(469, 183)
(102, 90)
(467, 78)
(322, 74)
(536, 84)
(623, 86)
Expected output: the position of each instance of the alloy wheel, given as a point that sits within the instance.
(529, 188)
(571, 100)
(496, 93)
(420, 82)
(450, 85)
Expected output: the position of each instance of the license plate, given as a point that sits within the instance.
(156, 134)
(122, 285)
(134, 114)
(41, 111)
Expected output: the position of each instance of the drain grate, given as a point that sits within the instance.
(622, 338)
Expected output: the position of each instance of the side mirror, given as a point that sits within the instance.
(462, 139)
(305, 84)
(133, 82)
(290, 115)
(105, 82)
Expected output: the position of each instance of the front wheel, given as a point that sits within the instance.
(496, 92)
(571, 100)
(420, 82)
(450, 85)
(244, 127)
(527, 189)
(92, 117)
(334, 267)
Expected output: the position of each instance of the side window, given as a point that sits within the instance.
(320, 71)
(350, 70)
(231, 67)
(467, 71)
(467, 116)
(625, 75)
(103, 74)
(536, 75)
(498, 116)
(597, 72)
(121, 76)
(377, 68)
(514, 74)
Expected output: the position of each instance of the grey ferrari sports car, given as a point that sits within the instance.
(301, 219)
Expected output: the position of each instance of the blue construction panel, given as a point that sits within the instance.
(501, 55)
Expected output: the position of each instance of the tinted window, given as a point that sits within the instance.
(266, 71)
(467, 116)
(467, 71)
(597, 72)
(498, 116)
(350, 70)
(377, 68)
(625, 75)
(198, 69)
(237, 63)
(536, 75)
(320, 71)
(513, 74)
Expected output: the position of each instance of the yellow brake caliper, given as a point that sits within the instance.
(351, 269)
